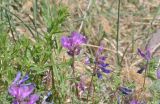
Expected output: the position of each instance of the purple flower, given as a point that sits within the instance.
(48, 97)
(101, 64)
(140, 71)
(73, 42)
(146, 55)
(21, 91)
(134, 102)
(87, 61)
(158, 73)
(125, 90)
(99, 75)
(33, 98)
(81, 86)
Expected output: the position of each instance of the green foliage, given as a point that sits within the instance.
(155, 90)
(33, 57)
(54, 16)
(152, 69)
(42, 53)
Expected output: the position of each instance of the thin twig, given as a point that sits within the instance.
(85, 15)
(10, 26)
(18, 19)
(117, 37)
(73, 72)
(107, 49)
(91, 83)
(147, 64)
(35, 16)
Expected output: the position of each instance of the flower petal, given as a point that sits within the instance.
(103, 65)
(25, 78)
(125, 90)
(33, 99)
(15, 102)
(99, 75)
(87, 61)
(148, 55)
(81, 85)
(134, 102)
(102, 58)
(140, 53)
(100, 50)
(25, 90)
(13, 90)
(18, 76)
(70, 53)
(66, 42)
(105, 70)
(140, 71)
(78, 38)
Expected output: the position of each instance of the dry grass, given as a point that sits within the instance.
(97, 19)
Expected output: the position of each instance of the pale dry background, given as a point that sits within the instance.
(97, 20)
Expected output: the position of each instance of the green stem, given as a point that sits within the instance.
(145, 74)
(117, 37)
(91, 83)
(74, 76)
(10, 26)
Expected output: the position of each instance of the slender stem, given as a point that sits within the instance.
(35, 16)
(73, 67)
(73, 72)
(85, 15)
(54, 90)
(91, 83)
(53, 82)
(117, 37)
(1, 10)
(145, 74)
(10, 26)
(144, 81)
(18, 19)
(90, 87)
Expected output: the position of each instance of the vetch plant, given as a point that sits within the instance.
(147, 56)
(81, 87)
(125, 90)
(134, 102)
(100, 63)
(100, 66)
(73, 45)
(23, 93)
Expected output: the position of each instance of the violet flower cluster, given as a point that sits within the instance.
(100, 61)
(81, 87)
(134, 102)
(22, 93)
(125, 90)
(147, 56)
(73, 43)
